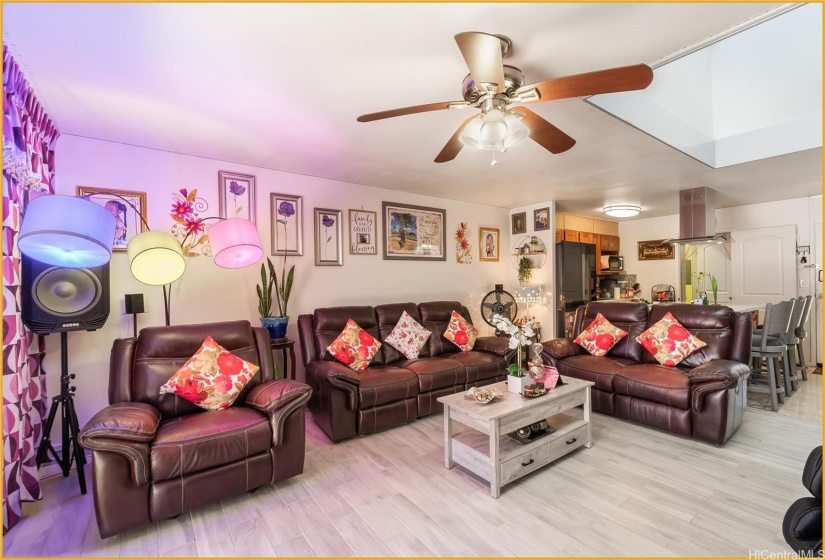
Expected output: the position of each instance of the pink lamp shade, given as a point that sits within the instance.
(235, 243)
(67, 231)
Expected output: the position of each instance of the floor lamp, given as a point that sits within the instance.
(67, 232)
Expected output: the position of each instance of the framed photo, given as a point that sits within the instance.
(541, 219)
(362, 240)
(329, 237)
(488, 244)
(128, 222)
(286, 213)
(414, 232)
(236, 197)
(656, 250)
(519, 223)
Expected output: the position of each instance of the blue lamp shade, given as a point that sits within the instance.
(67, 231)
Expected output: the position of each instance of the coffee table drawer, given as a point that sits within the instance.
(560, 447)
(523, 464)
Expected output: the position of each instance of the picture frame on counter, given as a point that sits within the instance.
(656, 250)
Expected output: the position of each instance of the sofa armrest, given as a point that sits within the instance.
(494, 345)
(338, 376)
(713, 376)
(278, 398)
(126, 429)
(560, 348)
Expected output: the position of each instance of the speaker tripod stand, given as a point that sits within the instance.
(71, 451)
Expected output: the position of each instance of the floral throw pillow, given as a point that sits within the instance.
(668, 341)
(212, 378)
(461, 333)
(354, 347)
(600, 336)
(408, 336)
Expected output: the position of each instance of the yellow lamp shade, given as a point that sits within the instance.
(155, 258)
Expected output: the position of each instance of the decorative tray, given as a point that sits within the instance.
(483, 395)
(533, 393)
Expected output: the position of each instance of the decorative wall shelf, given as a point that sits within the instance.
(531, 247)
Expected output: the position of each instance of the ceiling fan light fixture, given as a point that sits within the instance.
(622, 210)
(494, 129)
(517, 132)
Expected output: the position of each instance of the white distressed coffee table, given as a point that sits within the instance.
(486, 450)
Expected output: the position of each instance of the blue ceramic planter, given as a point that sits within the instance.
(276, 326)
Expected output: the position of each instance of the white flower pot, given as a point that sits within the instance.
(517, 384)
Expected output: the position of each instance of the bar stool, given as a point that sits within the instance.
(802, 334)
(781, 334)
(771, 348)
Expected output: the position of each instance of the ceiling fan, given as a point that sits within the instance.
(494, 87)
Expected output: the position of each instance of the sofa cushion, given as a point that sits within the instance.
(388, 316)
(408, 336)
(435, 373)
(435, 316)
(479, 367)
(600, 336)
(199, 441)
(354, 347)
(385, 384)
(630, 317)
(212, 378)
(461, 332)
(330, 321)
(712, 324)
(669, 342)
(652, 382)
(599, 370)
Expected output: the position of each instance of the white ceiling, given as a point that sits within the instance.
(280, 86)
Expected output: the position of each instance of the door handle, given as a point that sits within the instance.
(819, 276)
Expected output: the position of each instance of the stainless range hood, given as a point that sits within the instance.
(697, 217)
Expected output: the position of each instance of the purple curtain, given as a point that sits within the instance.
(28, 167)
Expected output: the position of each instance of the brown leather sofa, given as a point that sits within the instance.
(393, 390)
(704, 397)
(157, 456)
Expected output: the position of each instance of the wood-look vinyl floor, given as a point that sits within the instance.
(637, 492)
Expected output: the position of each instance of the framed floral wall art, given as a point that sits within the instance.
(463, 247)
(329, 238)
(236, 197)
(362, 239)
(286, 214)
(488, 244)
(128, 222)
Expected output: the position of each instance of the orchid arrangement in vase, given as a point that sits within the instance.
(519, 336)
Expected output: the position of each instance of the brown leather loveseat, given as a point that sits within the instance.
(157, 456)
(704, 397)
(393, 390)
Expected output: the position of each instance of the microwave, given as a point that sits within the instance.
(610, 262)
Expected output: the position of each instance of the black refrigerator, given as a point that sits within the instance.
(575, 282)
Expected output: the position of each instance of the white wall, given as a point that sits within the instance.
(208, 293)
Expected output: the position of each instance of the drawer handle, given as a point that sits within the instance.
(571, 440)
(530, 462)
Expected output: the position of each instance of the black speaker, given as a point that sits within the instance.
(57, 299)
(134, 303)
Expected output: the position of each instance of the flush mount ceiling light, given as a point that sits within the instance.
(622, 210)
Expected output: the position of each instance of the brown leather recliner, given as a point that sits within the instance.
(157, 456)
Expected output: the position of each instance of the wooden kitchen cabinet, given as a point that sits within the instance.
(570, 235)
(609, 243)
(559, 235)
(586, 237)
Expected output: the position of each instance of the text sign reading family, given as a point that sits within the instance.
(413, 232)
(362, 232)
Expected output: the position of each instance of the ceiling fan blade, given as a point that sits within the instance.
(453, 145)
(411, 110)
(626, 78)
(545, 134)
(482, 53)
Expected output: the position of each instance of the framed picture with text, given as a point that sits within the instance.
(656, 250)
(414, 232)
(362, 237)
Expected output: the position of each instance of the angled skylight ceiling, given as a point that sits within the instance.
(753, 95)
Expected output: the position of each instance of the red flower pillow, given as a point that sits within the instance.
(600, 336)
(354, 347)
(668, 341)
(461, 333)
(212, 378)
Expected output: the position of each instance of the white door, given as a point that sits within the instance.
(815, 335)
(713, 260)
(763, 265)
